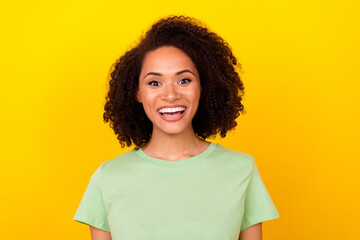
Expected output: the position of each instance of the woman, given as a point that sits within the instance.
(176, 88)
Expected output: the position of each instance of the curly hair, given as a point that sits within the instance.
(222, 89)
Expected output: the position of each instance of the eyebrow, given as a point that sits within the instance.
(178, 73)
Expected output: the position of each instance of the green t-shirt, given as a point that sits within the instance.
(213, 195)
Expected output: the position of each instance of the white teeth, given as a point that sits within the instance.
(171, 110)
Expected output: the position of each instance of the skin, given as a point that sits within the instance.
(98, 234)
(253, 232)
(169, 77)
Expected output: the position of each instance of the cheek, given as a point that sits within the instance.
(196, 95)
(194, 98)
(148, 102)
(144, 96)
(148, 111)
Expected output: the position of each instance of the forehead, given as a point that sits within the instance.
(167, 59)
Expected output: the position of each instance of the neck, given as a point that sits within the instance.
(174, 147)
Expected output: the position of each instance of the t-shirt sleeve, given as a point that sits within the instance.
(258, 206)
(91, 210)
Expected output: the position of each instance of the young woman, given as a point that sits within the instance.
(176, 88)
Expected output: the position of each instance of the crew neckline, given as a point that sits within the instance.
(178, 163)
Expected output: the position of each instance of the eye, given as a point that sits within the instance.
(184, 81)
(154, 83)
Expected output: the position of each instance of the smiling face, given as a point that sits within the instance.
(169, 89)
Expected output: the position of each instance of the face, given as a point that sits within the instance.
(169, 89)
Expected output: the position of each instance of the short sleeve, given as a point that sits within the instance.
(258, 206)
(91, 210)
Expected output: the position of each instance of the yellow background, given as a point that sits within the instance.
(301, 73)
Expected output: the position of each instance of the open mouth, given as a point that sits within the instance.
(172, 113)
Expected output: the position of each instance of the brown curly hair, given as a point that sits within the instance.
(222, 89)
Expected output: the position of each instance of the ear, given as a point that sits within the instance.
(137, 97)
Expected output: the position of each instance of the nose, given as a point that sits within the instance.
(170, 93)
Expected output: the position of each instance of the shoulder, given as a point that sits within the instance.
(235, 160)
(122, 163)
(236, 164)
(120, 159)
(235, 155)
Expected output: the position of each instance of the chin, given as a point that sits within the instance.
(174, 130)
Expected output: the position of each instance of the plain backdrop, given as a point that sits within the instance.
(300, 62)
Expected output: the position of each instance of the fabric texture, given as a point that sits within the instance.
(213, 195)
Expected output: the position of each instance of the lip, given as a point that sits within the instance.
(171, 106)
(172, 118)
